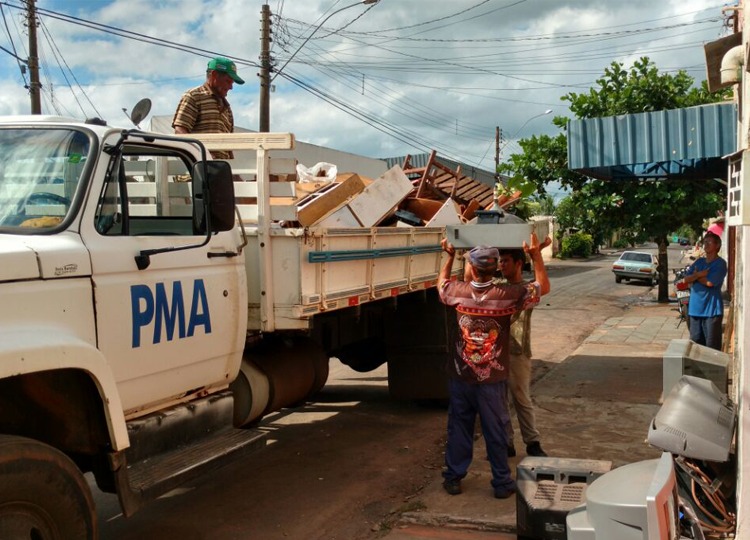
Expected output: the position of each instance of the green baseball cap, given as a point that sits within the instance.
(225, 65)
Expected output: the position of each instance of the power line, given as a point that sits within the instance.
(59, 57)
(136, 36)
(21, 67)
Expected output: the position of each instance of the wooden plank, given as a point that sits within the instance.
(425, 174)
(244, 141)
(381, 197)
(277, 189)
(147, 168)
(249, 213)
(341, 218)
(315, 206)
(141, 189)
(447, 215)
(470, 210)
(424, 209)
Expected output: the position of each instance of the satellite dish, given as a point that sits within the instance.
(140, 111)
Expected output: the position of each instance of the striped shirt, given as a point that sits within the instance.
(202, 111)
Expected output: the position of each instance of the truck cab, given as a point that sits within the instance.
(122, 297)
(150, 322)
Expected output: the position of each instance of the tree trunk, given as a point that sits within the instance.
(663, 270)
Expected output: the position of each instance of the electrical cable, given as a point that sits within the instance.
(702, 496)
(47, 88)
(58, 57)
(75, 97)
(14, 54)
(136, 36)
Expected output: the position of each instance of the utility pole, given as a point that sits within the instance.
(498, 137)
(35, 87)
(264, 100)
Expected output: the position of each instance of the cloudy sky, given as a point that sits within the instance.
(397, 77)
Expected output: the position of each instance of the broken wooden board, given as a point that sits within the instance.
(341, 218)
(424, 209)
(316, 205)
(448, 214)
(379, 199)
(470, 210)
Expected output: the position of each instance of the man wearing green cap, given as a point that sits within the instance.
(205, 109)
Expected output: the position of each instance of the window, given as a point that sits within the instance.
(637, 257)
(148, 194)
(40, 174)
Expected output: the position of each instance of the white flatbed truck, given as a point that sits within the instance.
(149, 322)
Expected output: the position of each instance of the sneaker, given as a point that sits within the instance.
(504, 493)
(511, 450)
(452, 487)
(535, 449)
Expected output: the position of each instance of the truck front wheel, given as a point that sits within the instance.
(43, 495)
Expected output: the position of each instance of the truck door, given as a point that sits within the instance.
(177, 327)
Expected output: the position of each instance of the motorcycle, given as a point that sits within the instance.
(682, 291)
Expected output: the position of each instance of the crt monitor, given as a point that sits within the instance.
(696, 421)
(637, 501)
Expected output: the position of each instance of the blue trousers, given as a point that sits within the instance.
(489, 401)
(706, 331)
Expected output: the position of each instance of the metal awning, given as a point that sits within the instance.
(684, 143)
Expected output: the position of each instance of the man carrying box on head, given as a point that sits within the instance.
(479, 363)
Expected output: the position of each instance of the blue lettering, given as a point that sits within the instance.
(170, 314)
(154, 307)
(140, 296)
(200, 300)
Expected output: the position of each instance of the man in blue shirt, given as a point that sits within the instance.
(706, 309)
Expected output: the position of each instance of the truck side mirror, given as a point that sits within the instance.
(215, 178)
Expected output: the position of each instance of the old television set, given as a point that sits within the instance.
(696, 420)
(635, 501)
(684, 357)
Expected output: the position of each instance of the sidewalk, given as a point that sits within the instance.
(595, 405)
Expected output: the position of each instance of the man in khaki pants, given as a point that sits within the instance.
(519, 380)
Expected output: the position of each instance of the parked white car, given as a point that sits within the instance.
(636, 265)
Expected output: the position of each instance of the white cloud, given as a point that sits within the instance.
(447, 93)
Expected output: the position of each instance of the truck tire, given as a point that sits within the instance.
(43, 495)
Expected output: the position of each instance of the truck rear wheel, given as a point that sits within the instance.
(43, 495)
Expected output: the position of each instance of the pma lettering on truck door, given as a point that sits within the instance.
(152, 308)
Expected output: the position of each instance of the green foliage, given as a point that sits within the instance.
(640, 89)
(686, 231)
(516, 183)
(544, 160)
(544, 205)
(621, 243)
(577, 245)
(639, 209)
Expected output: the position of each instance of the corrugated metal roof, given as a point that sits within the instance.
(684, 143)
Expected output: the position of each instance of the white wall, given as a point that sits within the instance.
(741, 390)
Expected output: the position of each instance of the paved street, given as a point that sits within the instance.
(354, 464)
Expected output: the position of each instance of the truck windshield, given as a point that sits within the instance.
(40, 172)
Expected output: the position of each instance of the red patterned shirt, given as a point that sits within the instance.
(481, 351)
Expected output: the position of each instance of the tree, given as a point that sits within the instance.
(643, 206)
